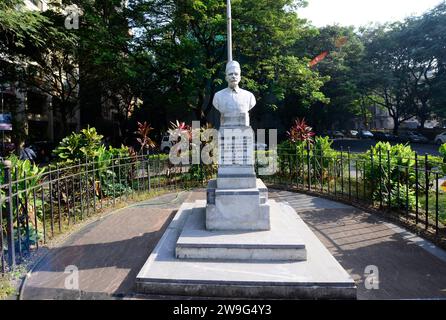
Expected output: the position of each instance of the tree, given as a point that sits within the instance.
(187, 42)
(433, 26)
(37, 52)
(341, 52)
(53, 68)
(386, 73)
(111, 73)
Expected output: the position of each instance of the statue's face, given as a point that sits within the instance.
(233, 77)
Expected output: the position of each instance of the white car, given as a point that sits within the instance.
(165, 144)
(440, 139)
(260, 146)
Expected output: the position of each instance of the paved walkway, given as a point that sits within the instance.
(109, 252)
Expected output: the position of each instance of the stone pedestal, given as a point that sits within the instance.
(287, 262)
(237, 243)
(237, 200)
(237, 208)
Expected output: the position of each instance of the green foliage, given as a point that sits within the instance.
(23, 172)
(342, 87)
(265, 31)
(442, 151)
(80, 146)
(201, 172)
(400, 197)
(388, 167)
(6, 288)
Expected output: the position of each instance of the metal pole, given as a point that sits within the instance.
(426, 176)
(416, 188)
(9, 216)
(229, 14)
(3, 131)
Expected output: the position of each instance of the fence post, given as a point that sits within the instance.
(349, 175)
(19, 217)
(426, 176)
(321, 164)
(59, 213)
(372, 180)
(81, 199)
(9, 215)
(416, 188)
(389, 181)
(342, 172)
(2, 256)
(26, 211)
(308, 165)
(113, 179)
(407, 190)
(380, 177)
(436, 204)
(148, 168)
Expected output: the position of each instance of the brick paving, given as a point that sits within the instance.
(110, 252)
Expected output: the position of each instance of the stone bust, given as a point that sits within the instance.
(233, 102)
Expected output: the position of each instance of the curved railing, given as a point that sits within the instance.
(413, 189)
(38, 207)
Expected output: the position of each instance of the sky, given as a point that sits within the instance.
(361, 12)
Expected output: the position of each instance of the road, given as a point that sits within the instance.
(356, 145)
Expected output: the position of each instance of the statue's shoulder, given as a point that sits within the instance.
(246, 92)
(221, 92)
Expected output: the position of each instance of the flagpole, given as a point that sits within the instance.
(229, 14)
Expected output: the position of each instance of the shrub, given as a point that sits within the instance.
(442, 151)
(392, 166)
(19, 170)
(80, 146)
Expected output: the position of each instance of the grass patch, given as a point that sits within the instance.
(6, 287)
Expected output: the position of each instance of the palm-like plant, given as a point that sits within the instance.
(143, 132)
(301, 132)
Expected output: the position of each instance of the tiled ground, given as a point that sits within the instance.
(109, 253)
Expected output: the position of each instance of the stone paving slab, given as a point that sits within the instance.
(111, 251)
(358, 239)
(106, 252)
(318, 277)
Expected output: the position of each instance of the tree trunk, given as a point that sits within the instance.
(396, 125)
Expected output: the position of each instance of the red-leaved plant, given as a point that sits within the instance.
(143, 132)
(301, 132)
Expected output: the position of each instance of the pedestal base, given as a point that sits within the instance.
(281, 243)
(237, 208)
(318, 277)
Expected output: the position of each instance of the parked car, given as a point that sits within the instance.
(420, 137)
(338, 134)
(260, 146)
(412, 137)
(440, 139)
(380, 136)
(165, 144)
(365, 134)
(353, 133)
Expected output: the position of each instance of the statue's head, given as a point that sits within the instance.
(233, 74)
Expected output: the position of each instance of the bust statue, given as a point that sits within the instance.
(233, 102)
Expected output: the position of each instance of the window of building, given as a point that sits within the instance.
(36, 103)
(37, 3)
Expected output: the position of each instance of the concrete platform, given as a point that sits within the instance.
(319, 277)
(237, 209)
(281, 243)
